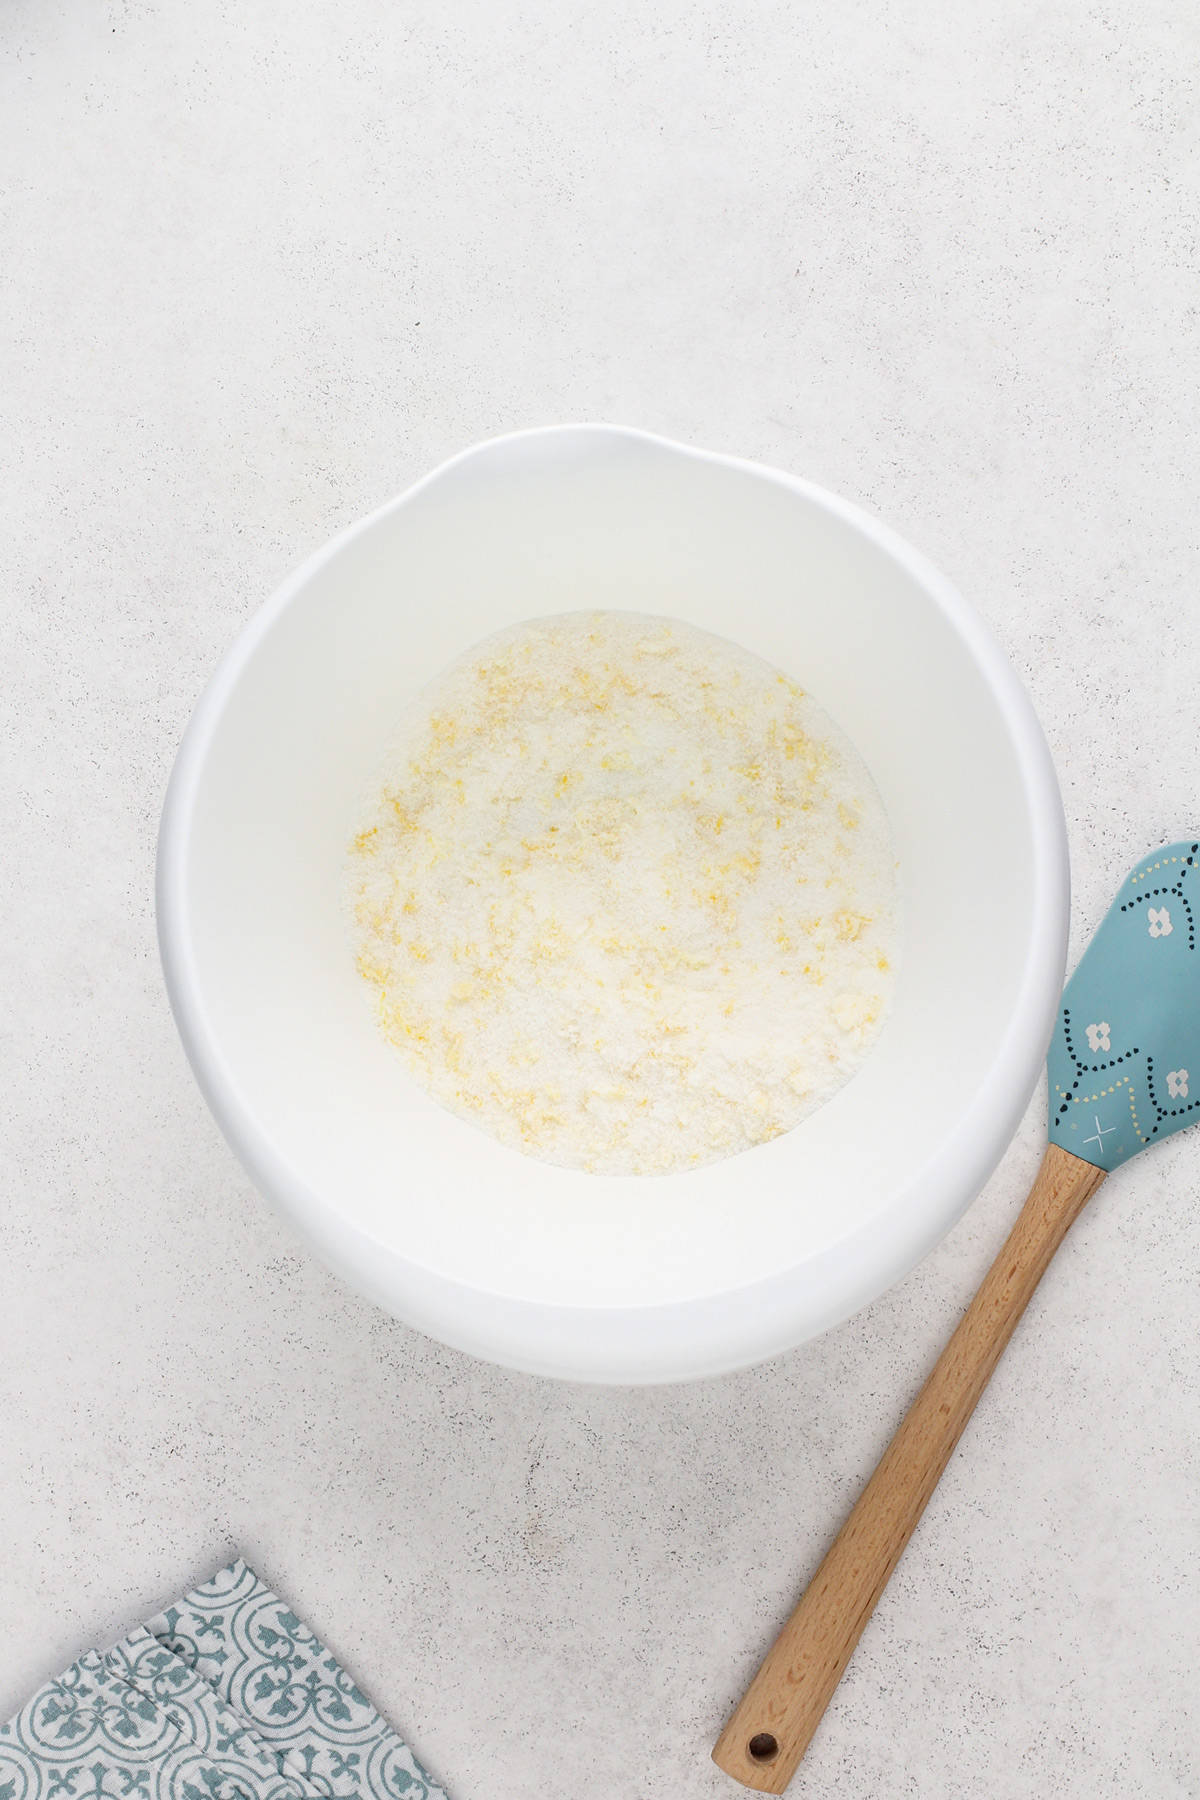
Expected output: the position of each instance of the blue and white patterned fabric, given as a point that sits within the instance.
(226, 1696)
(1124, 1061)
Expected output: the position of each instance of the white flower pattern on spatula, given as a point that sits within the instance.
(1177, 1083)
(1160, 921)
(1098, 1036)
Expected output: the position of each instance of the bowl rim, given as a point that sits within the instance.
(702, 1336)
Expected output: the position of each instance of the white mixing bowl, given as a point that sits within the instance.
(605, 1278)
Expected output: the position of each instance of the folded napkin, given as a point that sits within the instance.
(225, 1696)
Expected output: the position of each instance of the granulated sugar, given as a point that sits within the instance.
(624, 895)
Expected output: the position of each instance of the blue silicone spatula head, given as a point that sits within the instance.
(1124, 1062)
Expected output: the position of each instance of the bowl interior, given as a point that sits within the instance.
(291, 734)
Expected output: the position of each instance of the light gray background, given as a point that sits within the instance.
(264, 263)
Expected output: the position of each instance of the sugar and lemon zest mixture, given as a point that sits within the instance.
(624, 895)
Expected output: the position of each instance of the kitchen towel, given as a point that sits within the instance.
(225, 1696)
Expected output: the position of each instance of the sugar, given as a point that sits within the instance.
(624, 895)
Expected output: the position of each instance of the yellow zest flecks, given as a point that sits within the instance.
(580, 897)
(849, 926)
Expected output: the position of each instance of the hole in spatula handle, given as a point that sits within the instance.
(762, 1748)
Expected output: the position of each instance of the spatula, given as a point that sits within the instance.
(1128, 1033)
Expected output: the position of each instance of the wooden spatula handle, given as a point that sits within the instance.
(770, 1730)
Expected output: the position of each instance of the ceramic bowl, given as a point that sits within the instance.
(562, 1273)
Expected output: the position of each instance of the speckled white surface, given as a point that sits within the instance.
(263, 265)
